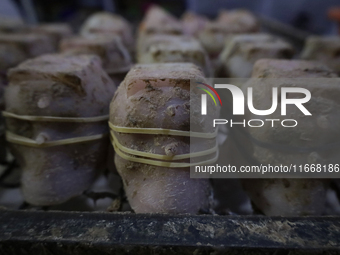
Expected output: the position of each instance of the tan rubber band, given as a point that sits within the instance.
(162, 131)
(135, 156)
(160, 156)
(55, 119)
(161, 163)
(17, 139)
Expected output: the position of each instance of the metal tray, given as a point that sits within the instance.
(37, 232)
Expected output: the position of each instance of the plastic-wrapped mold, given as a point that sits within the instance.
(57, 31)
(28, 45)
(150, 130)
(242, 51)
(323, 49)
(193, 23)
(115, 57)
(157, 21)
(300, 145)
(172, 48)
(104, 23)
(56, 113)
(10, 25)
(214, 33)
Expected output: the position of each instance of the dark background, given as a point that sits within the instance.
(308, 15)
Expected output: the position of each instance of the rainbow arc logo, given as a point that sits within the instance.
(204, 97)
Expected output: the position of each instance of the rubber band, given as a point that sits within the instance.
(149, 158)
(161, 163)
(162, 131)
(160, 156)
(55, 119)
(17, 139)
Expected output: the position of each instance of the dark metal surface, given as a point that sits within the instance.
(36, 232)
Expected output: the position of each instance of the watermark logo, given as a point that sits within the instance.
(204, 97)
(238, 103)
(238, 99)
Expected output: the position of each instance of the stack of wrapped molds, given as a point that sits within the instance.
(150, 120)
(279, 145)
(214, 33)
(242, 51)
(15, 48)
(75, 105)
(108, 24)
(110, 37)
(157, 21)
(324, 49)
(55, 31)
(193, 23)
(115, 58)
(172, 49)
(56, 117)
(161, 40)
